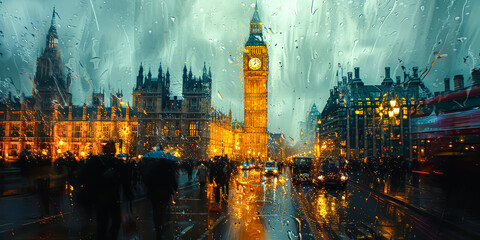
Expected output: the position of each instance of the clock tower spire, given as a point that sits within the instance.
(255, 72)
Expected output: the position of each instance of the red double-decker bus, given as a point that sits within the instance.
(447, 131)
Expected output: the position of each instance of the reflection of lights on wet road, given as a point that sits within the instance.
(245, 222)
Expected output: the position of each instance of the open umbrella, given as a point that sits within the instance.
(161, 155)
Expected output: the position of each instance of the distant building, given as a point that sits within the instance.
(179, 124)
(361, 120)
(47, 123)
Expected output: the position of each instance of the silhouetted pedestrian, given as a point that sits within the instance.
(188, 165)
(102, 178)
(228, 169)
(202, 177)
(217, 176)
(160, 178)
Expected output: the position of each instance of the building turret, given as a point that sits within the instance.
(414, 84)
(185, 78)
(167, 80)
(204, 71)
(349, 74)
(84, 113)
(148, 80)
(140, 78)
(387, 81)
(458, 82)
(160, 75)
(357, 79)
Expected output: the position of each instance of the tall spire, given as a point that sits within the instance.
(256, 17)
(256, 25)
(53, 17)
(52, 36)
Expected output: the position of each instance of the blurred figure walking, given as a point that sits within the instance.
(104, 177)
(217, 176)
(202, 178)
(160, 178)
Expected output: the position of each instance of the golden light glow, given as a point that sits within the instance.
(61, 142)
(393, 103)
(396, 111)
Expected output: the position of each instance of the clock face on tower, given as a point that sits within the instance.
(254, 63)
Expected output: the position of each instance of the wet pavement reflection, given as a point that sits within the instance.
(259, 206)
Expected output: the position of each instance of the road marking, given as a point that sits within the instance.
(190, 199)
(213, 227)
(186, 230)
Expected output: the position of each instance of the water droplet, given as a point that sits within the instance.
(341, 24)
(414, 26)
(457, 18)
(316, 33)
(243, 4)
(149, 31)
(172, 18)
(360, 16)
(422, 8)
(340, 53)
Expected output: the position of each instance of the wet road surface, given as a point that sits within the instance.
(258, 207)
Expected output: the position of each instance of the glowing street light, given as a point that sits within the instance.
(396, 111)
(393, 103)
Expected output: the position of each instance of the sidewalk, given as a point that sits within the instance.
(13, 183)
(424, 193)
(27, 212)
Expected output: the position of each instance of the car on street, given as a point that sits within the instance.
(301, 169)
(271, 168)
(327, 172)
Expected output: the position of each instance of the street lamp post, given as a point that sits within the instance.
(389, 114)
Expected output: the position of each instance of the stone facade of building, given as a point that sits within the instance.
(360, 121)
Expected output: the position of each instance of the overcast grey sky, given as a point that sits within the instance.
(104, 41)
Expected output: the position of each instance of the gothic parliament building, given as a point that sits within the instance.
(47, 123)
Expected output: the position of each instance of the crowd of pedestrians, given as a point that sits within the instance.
(104, 186)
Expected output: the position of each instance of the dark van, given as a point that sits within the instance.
(301, 169)
(328, 172)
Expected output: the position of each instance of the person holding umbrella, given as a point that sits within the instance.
(159, 173)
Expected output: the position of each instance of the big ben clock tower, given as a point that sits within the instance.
(255, 72)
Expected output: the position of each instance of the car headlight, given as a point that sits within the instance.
(343, 178)
(320, 177)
